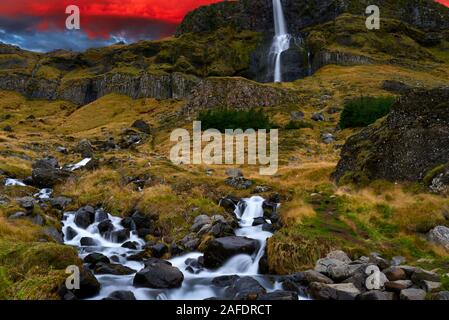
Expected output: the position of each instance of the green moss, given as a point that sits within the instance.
(33, 270)
(39, 286)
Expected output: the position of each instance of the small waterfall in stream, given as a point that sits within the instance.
(281, 40)
(197, 285)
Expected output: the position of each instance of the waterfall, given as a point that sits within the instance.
(281, 40)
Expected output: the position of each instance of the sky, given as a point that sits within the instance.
(39, 25)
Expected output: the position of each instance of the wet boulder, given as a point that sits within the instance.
(94, 258)
(130, 245)
(279, 295)
(245, 288)
(112, 268)
(70, 233)
(221, 229)
(88, 242)
(121, 295)
(118, 236)
(221, 249)
(158, 250)
(84, 217)
(89, 287)
(105, 226)
(229, 203)
(158, 274)
(141, 221)
(225, 281)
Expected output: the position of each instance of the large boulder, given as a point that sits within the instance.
(340, 291)
(112, 268)
(221, 249)
(89, 287)
(412, 294)
(84, 217)
(158, 274)
(440, 236)
(121, 295)
(407, 145)
(47, 172)
(245, 288)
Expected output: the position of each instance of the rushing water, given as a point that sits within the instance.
(281, 40)
(195, 286)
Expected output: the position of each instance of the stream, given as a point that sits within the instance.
(196, 286)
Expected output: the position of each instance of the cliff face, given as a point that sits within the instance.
(83, 91)
(257, 15)
(405, 146)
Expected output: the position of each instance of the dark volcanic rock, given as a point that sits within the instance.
(245, 288)
(405, 146)
(60, 202)
(46, 173)
(84, 217)
(88, 242)
(278, 295)
(221, 249)
(70, 233)
(224, 281)
(158, 274)
(121, 295)
(89, 287)
(142, 126)
(105, 226)
(111, 268)
(94, 258)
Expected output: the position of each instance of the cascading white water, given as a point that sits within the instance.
(195, 286)
(281, 40)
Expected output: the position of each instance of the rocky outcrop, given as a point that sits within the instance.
(325, 57)
(258, 15)
(83, 91)
(440, 236)
(47, 172)
(407, 145)
(237, 93)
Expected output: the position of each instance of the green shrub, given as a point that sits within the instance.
(223, 119)
(295, 125)
(364, 111)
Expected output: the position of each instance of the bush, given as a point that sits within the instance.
(223, 119)
(364, 111)
(295, 125)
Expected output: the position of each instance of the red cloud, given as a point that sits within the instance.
(167, 10)
(101, 18)
(445, 2)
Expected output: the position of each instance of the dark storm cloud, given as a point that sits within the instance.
(28, 34)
